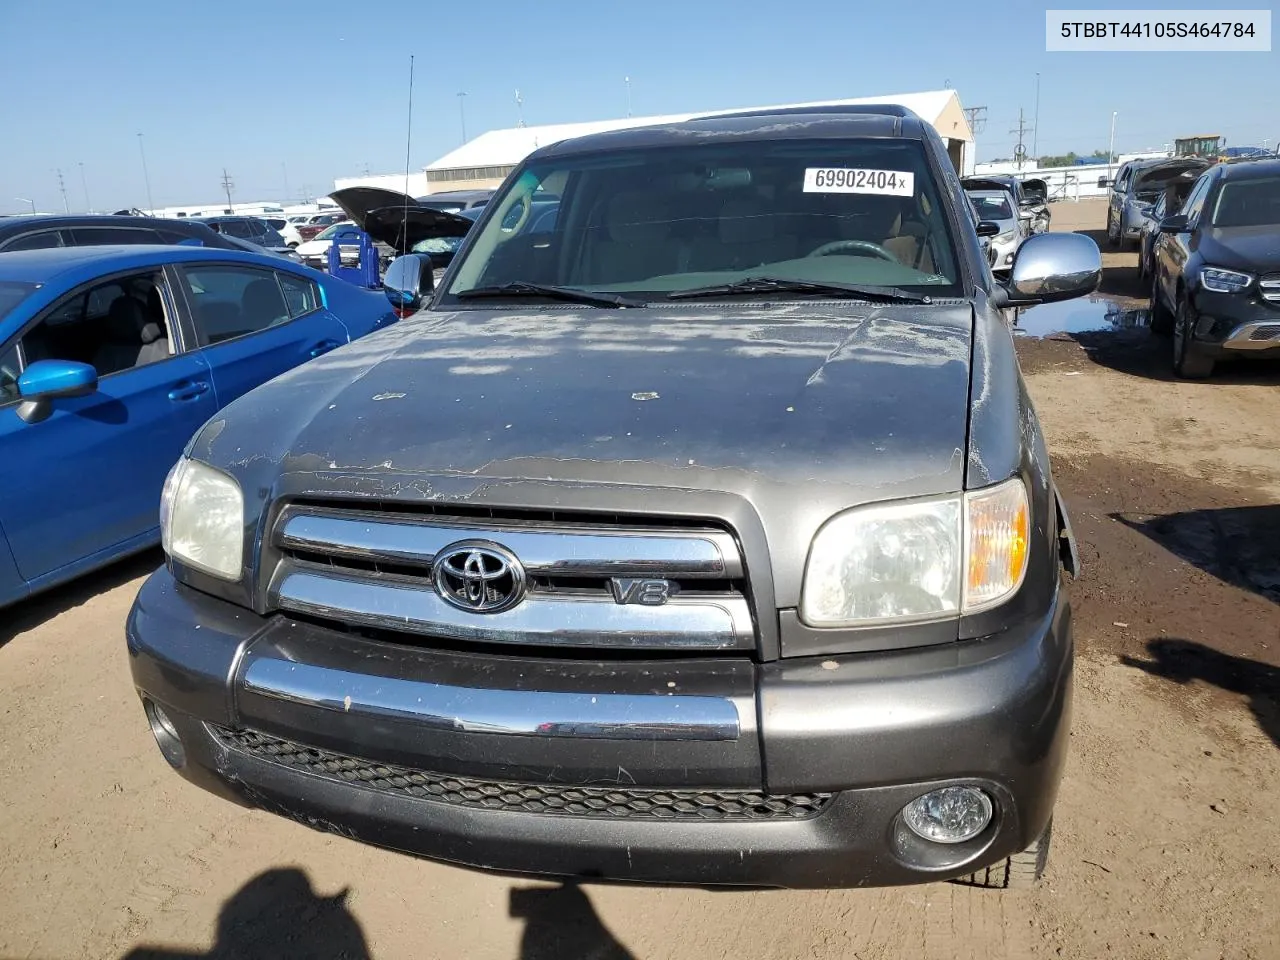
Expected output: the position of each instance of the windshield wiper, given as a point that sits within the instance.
(520, 288)
(779, 285)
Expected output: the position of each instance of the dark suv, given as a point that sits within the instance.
(42, 231)
(701, 533)
(255, 231)
(1216, 268)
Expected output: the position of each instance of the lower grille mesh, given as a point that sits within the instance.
(596, 802)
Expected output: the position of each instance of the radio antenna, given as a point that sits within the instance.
(408, 142)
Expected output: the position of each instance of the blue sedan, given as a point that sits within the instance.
(110, 359)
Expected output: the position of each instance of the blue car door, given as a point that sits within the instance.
(83, 485)
(253, 323)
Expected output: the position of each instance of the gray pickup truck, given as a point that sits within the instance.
(698, 528)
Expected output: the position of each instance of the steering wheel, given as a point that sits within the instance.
(859, 248)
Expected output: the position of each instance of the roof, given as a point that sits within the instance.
(509, 147)
(754, 126)
(40, 266)
(1254, 169)
(56, 220)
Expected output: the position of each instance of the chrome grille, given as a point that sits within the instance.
(557, 799)
(374, 569)
(1269, 287)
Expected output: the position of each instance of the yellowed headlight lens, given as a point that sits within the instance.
(997, 543)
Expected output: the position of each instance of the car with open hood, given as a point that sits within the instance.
(1030, 196)
(400, 224)
(1216, 269)
(999, 207)
(697, 527)
(1135, 189)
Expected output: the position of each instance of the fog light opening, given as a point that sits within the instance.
(167, 737)
(949, 815)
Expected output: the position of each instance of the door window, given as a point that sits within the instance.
(230, 302)
(36, 241)
(112, 326)
(301, 294)
(97, 236)
(1195, 200)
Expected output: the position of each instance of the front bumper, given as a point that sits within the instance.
(462, 757)
(1229, 324)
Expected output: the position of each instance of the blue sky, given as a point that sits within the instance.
(314, 90)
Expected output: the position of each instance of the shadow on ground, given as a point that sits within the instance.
(1240, 545)
(278, 914)
(1183, 661)
(1141, 353)
(28, 614)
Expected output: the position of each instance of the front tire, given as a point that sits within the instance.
(1161, 318)
(1020, 871)
(1113, 231)
(1188, 360)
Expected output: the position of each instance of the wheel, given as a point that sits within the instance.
(1161, 318)
(1016, 872)
(1113, 231)
(1188, 361)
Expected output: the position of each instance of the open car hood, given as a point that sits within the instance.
(1153, 179)
(396, 219)
(1035, 189)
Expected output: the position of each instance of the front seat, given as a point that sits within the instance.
(131, 338)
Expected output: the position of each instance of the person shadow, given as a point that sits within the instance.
(1182, 661)
(561, 924)
(275, 915)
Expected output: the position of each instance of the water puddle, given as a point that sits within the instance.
(1078, 316)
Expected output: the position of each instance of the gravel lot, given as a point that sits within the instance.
(1166, 840)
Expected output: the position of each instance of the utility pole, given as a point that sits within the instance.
(977, 123)
(146, 177)
(85, 183)
(1035, 130)
(284, 168)
(627, 81)
(227, 184)
(1020, 151)
(462, 113)
(62, 188)
(1111, 145)
(520, 108)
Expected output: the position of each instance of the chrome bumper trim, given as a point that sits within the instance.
(687, 621)
(1257, 335)
(529, 713)
(549, 551)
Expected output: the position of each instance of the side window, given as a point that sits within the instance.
(229, 302)
(97, 236)
(1122, 179)
(1195, 200)
(237, 228)
(300, 294)
(113, 326)
(35, 241)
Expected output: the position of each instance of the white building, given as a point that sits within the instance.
(485, 161)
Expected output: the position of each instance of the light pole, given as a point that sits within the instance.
(1035, 130)
(1111, 146)
(462, 113)
(25, 200)
(85, 183)
(627, 81)
(146, 177)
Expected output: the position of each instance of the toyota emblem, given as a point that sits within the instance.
(478, 576)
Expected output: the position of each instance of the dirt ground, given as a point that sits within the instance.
(1167, 833)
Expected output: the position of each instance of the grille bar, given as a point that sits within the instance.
(607, 803)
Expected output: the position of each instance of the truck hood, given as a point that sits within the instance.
(397, 219)
(800, 411)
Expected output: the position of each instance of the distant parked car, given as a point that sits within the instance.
(1138, 185)
(315, 252)
(316, 223)
(1216, 268)
(1033, 206)
(287, 229)
(43, 232)
(456, 201)
(999, 207)
(1169, 201)
(110, 359)
(254, 230)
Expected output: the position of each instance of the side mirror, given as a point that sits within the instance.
(988, 228)
(48, 380)
(408, 282)
(1049, 267)
(1176, 223)
(1104, 182)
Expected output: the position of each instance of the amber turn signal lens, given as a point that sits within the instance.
(997, 542)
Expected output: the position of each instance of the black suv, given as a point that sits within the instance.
(255, 231)
(701, 533)
(1216, 268)
(42, 231)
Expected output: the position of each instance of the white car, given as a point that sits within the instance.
(287, 228)
(315, 253)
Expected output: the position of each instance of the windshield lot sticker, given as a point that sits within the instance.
(891, 183)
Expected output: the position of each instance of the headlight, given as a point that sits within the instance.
(1224, 281)
(919, 560)
(202, 519)
(1006, 237)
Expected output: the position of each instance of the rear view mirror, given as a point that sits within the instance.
(48, 380)
(409, 282)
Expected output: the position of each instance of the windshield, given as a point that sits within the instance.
(992, 207)
(1248, 203)
(12, 293)
(661, 220)
(328, 233)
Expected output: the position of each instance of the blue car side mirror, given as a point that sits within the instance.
(48, 380)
